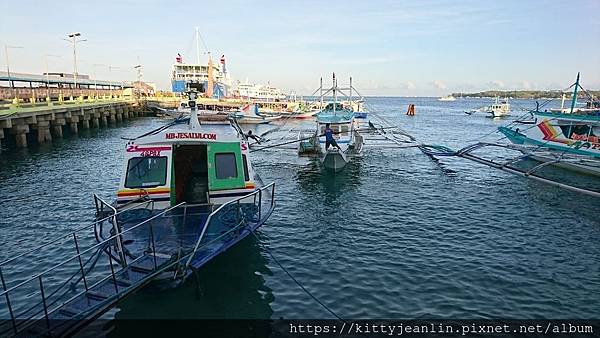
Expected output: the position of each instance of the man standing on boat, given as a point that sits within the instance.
(329, 140)
(250, 135)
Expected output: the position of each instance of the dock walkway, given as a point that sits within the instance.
(48, 119)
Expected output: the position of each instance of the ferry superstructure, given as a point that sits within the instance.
(255, 91)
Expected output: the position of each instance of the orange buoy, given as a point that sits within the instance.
(411, 110)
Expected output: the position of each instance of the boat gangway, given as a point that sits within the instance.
(59, 287)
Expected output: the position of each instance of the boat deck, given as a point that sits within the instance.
(132, 248)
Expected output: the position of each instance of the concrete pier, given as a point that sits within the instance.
(47, 122)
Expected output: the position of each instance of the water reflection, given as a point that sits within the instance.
(314, 178)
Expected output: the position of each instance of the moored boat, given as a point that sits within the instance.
(249, 114)
(196, 172)
(341, 120)
(572, 134)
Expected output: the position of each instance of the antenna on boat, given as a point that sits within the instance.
(197, 45)
(574, 101)
(334, 93)
(321, 92)
(351, 106)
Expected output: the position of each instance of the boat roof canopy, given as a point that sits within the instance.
(343, 116)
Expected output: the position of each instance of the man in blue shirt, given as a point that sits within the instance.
(329, 140)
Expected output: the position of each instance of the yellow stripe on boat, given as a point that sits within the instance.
(151, 191)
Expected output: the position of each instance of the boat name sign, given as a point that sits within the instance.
(200, 136)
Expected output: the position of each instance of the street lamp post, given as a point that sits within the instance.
(10, 82)
(139, 79)
(74, 38)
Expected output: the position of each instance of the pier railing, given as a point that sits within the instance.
(15, 107)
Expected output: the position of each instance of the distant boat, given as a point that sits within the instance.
(447, 98)
(499, 108)
(249, 115)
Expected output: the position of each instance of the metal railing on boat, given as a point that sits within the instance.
(79, 288)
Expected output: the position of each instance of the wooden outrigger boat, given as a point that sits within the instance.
(565, 138)
(342, 121)
(249, 115)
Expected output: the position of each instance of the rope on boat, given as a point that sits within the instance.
(297, 282)
(307, 138)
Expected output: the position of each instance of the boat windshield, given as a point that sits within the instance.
(338, 106)
(146, 172)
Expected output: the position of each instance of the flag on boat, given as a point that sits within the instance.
(179, 59)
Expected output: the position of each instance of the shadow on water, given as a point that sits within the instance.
(314, 178)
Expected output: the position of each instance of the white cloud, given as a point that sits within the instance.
(439, 84)
(497, 84)
(410, 85)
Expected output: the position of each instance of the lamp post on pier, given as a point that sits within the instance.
(74, 38)
(139, 79)
(10, 82)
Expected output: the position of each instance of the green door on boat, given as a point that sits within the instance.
(225, 166)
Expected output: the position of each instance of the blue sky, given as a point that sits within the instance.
(389, 47)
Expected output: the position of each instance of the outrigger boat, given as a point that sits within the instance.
(187, 194)
(568, 138)
(249, 115)
(342, 120)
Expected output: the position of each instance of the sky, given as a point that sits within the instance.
(390, 48)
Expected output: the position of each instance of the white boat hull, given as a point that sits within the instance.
(574, 163)
(334, 160)
(498, 113)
